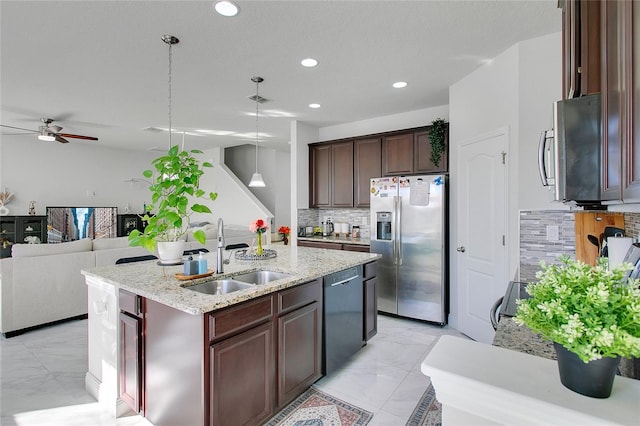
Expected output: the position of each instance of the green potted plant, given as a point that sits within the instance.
(175, 191)
(437, 134)
(592, 314)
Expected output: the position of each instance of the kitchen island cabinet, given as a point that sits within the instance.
(207, 355)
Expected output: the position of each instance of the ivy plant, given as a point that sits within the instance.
(437, 133)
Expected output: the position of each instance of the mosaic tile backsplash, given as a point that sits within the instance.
(313, 217)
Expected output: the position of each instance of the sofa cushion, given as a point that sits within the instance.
(110, 243)
(31, 250)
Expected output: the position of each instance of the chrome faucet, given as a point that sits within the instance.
(219, 251)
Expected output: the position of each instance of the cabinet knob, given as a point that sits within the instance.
(461, 249)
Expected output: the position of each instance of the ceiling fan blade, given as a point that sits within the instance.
(61, 140)
(53, 128)
(68, 135)
(18, 128)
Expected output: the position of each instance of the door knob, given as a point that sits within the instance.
(461, 249)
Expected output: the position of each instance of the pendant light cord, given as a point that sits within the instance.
(257, 103)
(170, 63)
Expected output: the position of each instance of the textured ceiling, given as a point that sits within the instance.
(102, 70)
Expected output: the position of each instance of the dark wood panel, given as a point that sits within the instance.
(370, 295)
(130, 369)
(630, 14)
(243, 378)
(356, 247)
(299, 296)
(129, 302)
(590, 47)
(342, 174)
(397, 155)
(367, 165)
(370, 270)
(320, 170)
(240, 317)
(299, 351)
(320, 244)
(423, 162)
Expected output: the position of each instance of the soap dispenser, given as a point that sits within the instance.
(202, 264)
(190, 266)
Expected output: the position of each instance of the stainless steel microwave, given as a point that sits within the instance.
(570, 155)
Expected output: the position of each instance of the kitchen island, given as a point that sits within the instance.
(178, 356)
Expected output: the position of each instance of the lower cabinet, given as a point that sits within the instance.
(243, 377)
(332, 245)
(131, 347)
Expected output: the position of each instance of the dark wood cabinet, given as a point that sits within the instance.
(367, 165)
(19, 230)
(397, 155)
(620, 81)
(331, 170)
(581, 47)
(422, 150)
(332, 245)
(131, 349)
(243, 377)
(299, 340)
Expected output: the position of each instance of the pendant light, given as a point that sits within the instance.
(170, 40)
(256, 179)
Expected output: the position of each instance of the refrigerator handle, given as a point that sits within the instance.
(397, 236)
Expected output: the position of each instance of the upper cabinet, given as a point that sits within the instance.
(340, 171)
(581, 47)
(620, 80)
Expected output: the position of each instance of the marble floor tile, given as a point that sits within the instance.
(42, 376)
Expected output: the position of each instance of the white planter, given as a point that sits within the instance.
(170, 251)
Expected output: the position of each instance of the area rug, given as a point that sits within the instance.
(428, 412)
(315, 408)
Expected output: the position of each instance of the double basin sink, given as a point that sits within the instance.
(238, 282)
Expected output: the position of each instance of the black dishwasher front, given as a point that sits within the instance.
(343, 319)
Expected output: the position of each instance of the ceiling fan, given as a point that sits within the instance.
(51, 132)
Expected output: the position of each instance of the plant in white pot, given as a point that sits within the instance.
(175, 192)
(592, 314)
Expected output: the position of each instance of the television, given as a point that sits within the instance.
(75, 223)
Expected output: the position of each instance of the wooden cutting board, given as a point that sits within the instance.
(593, 223)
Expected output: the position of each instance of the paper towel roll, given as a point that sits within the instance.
(618, 247)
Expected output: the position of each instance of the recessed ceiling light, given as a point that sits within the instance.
(314, 105)
(400, 84)
(309, 62)
(226, 8)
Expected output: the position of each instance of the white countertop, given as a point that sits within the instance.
(513, 388)
(159, 283)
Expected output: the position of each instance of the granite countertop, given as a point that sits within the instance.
(159, 283)
(510, 335)
(338, 239)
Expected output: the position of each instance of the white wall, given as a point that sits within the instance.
(54, 174)
(388, 123)
(516, 90)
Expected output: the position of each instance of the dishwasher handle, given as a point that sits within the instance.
(345, 281)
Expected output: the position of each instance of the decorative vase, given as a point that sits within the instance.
(593, 378)
(170, 252)
(4, 211)
(259, 250)
(285, 240)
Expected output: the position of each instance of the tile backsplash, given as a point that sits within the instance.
(313, 217)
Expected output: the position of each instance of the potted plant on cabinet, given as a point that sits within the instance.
(437, 134)
(592, 314)
(175, 190)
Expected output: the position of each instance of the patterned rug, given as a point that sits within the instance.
(428, 412)
(315, 408)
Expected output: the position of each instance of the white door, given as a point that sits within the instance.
(482, 223)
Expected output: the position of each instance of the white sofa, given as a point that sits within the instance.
(42, 283)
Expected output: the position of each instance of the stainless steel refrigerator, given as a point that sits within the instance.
(409, 229)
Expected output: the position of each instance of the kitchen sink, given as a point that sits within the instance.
(219, 286)
(261, 277)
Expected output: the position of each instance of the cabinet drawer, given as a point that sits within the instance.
(238, 318)
(356, 247)
(370, 270)
(320, 244)
(129, 302)
(299, 296)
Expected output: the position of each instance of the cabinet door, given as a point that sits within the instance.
(570, 49)
(423, 162)
(612, 97)
(299, 351)
(320, 182)
(34, 227)
(130, 370)
(7, 235)
(630, 14)
(243, 378)
(370, 309)
(356, 247)
(397, 155)
(342, 174)
(367, 165)
(590, 47)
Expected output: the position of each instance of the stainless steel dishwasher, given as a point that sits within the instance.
(343, 320)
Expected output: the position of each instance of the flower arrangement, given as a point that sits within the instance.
(590, 311)
(285, 231)
(259, 227)
(5, 197)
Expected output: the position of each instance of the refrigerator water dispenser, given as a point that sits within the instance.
(383, 229)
